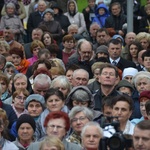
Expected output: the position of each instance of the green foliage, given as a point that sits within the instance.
(81, 4)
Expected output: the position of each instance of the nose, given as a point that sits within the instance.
(78, 121)
(42, 93)
(54, 102)
(55, 129)
(140, 142)
(91, 138)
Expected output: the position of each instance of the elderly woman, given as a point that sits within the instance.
(36, 45)
(51, 25)
(79, 116)
(4, 47)
(4, 83)
(13, 22)
(18, 105)
(54, 101)
(62, 83)
(82, 96)
(57, 124)
(25, 127)
(5, 144)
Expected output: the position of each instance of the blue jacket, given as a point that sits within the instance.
(100, 19)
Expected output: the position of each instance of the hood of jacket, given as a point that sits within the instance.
(104, 7)
(69, 98)
(76, 7)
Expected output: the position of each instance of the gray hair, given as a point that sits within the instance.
(63, 80)
(19, 75)
(140, 75)
(42, 79)
(88, 113)
(73, 26)
(10, 5)
(91, 123)
(80, 70)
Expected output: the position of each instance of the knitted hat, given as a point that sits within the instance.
(35, 97)
(10, 5)
(144, 96)
(25, 118)
(129, 72)
(124, 83)
(102, 49)
(17, 51)
(49, 10)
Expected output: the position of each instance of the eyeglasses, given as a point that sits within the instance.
(80, 119)
(21, 98)
(51, 126)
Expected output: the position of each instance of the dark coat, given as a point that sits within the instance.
(33, 21)
(82, 64)
(144, 26)
(115, 22)
(123, 63)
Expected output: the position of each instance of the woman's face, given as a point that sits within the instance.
(133, 51)
(4, 86)
(20, 83)
(25, 132)
(48, 16)
(47, 39)
(2, 50)
(16, 59)
(36, 50)
(61, 88)
(10, 71)
(71, 7)
(19, 101)
(54, 103)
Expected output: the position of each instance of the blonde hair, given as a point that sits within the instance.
(52, 141)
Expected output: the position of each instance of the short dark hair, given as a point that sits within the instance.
(145, 54)
(107, 65)
(106, 101)
(143, 125)
(114, 41)
(124, 98)
(102, 30)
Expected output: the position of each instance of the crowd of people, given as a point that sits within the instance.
(68, 77)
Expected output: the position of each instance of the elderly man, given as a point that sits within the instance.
(91, 135)
(36, 17)
(141, 136)
(85, 61)
(80, 77)
(41, 84)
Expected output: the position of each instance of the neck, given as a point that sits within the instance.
(25, 142)
(66, 50)
(19, 110)
(122, 126)
(106, 89)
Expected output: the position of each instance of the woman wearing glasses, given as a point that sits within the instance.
(18, 105)
(57, 124)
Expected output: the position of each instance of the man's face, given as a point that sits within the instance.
(10, 10)
(41, 7)
(34, 108)
(73, 31)
(40, 88)
(116, 10)
(56, 127)
(102, 38)
(108, 77)
(93, 30)
(146, 62)
(143, 85)
(130, 37)
(122, 111)
(20, 83)
(36, 35)
(80, 78)
(141, 139)
(8, 35)
(91, 3)
(114, 51)
(91, 138)
(85, 51)
(79, 121)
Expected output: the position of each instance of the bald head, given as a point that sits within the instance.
(130, 37)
